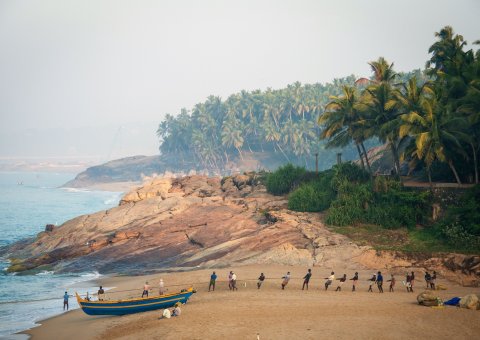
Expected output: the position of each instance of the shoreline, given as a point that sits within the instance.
(270, 311)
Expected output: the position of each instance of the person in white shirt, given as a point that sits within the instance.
(161, 287)
(286, 278)
(330, 280)
(234, 281)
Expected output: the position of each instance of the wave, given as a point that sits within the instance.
(75, 190)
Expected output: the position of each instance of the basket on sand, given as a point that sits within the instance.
(470, 301)
(427, 299)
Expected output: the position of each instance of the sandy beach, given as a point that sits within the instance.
(272, 313)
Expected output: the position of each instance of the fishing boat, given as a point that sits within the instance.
(130, 306)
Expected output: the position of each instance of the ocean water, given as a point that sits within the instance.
(29, 201)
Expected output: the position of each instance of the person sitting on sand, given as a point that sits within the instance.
(285, 278)
(372, 281)
(261, 278)
(65, 301)
(341, 282)
(306, 279)
(433, 280)
(166, 313)
(213, 278)
(355, 279)
(379, 282)
(101, 294)
(329, 279)
(146, 288)
(177, 311)
(234, 281)
(230, 280)
(392, 283)
(161, 287)
(428, 278)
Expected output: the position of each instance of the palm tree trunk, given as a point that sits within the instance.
(280, 148)
(450, 163)
(429, 178)
(360, 155)
(475, 162)
(240, 153)
(396, 160)
(366, 157)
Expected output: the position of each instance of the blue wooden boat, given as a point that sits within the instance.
(129, 306)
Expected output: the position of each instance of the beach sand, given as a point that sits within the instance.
(272, 313)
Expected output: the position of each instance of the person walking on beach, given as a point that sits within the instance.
(213, 278)
(161, 287)
(234, 281)
(146, 288)
(230, 280)
(355, 279)
(380, 282)
(285, 278)
(260, 280)
(392, 283)
(101, 294)
(432, 280)
(65, 301)
(372, 281)
(341, 282)
(330, 280)
(306, 279)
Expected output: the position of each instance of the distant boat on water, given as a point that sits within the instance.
(130, 306)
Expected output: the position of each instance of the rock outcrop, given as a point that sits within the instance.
(187, 222)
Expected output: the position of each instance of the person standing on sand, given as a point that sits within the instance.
(330, 280)
(213, 278)
(306, 279)
(433, 280)
(101, 294)
(380, 282)
(285, 278)
(372, 281)
(341, 282)
(408, 283)
(230, 280)
(355, 279)
(260, 280)
(428, 278)
(65, 300)
(234, 281)
(146, 288)
(392, 283)
(161, 287)
(412, 281)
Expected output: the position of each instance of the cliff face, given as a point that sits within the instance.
(186, 222)
(182, 223)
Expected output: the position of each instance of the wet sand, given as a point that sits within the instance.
(272, 313)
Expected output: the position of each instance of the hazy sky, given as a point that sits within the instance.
(124, 64)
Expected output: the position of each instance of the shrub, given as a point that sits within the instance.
(350, 205)
(283, 180)
(348, 172)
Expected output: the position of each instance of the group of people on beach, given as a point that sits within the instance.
(375, 280)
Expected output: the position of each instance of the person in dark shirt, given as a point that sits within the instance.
(354, 279)
(428, 278)
(261, 278)
(432, 280)
(101, 294)
(306, 279)
(408, 283)
(341, 282)
(380, 282)
(213, 279)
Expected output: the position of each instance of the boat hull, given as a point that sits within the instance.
(122, 307)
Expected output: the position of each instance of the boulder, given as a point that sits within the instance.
(469, 301)
(49, 227)
(241, 181)
(427, 298)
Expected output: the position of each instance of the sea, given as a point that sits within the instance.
(29, 201)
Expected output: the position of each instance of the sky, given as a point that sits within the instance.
(94, 78)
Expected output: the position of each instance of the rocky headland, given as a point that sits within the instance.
(199, 221)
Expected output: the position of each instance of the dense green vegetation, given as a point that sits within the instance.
(352, 200)
(436, 118)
